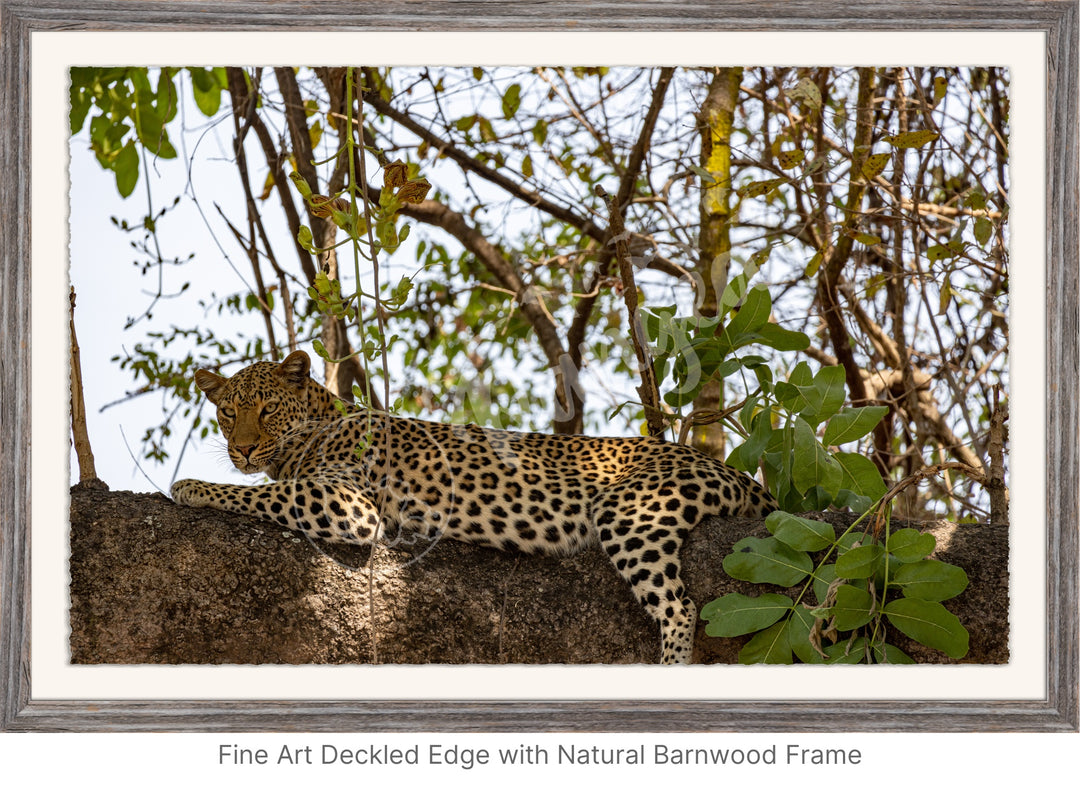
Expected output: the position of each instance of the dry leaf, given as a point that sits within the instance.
(414, 191)
(395, 174)
(323, 207)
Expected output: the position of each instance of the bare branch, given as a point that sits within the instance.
(583, 310)
(80, 435)
(648, 390)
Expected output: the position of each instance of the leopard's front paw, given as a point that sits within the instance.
(187, 492)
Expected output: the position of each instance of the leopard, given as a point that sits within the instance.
(341, 472)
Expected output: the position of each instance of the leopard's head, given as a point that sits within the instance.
(259, 405)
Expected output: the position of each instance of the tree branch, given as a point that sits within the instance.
(583, 224)
(837, 258)
(648, 390)
(469, 164)
(246, 101)
(79, 434)
(583, 309)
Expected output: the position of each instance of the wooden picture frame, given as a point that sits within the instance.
(1058, 710)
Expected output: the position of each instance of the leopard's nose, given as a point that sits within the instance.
(246, 450)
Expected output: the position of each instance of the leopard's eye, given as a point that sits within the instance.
(228, 412)
(269, 409)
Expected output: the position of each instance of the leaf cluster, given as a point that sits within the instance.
(126, 111)
(779, 420)
(862, 585)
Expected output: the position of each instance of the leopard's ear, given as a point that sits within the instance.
(295, 369)
(210, 384)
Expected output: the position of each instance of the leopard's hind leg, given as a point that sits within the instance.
(331, 511)
(641, 525)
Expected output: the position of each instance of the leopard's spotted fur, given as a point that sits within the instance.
(353, 478)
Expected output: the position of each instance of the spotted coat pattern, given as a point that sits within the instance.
(341, 474)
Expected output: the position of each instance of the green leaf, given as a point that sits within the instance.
(941, 252)
(126, 168)
(150, 127)
(984, 229)
(80, 101)
(747, 413)
(854, 607)
(386, 232)
(912, 139)
(799, 625)
(754, 312)
(826, 395)
(206, 89)
(860, 562)
(941, 87)
(736, 288)
(743, 327)
(465, 123)
(929, 623)
(847, 652)
(105, 138)
(908, 545)
(851, 423)
(767, 560)
(735, 614)
(511, 100)
(848, 542)
(890, 654)
(764, 377)
(789, 396)
(746, 456)
(770, 646)
(305, 238)
(817, 498)
(315, 132)
(806, 535)
(799, 394)
(801, 376)
(759, 188)
(812, 465)
(539, 131)
(301, 184)
(401, 291)
(861, 482)
(930, 580)
(772, 335)
(823, 577)
(858, 504)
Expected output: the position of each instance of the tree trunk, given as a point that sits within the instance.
(157, 583)
(714, 245)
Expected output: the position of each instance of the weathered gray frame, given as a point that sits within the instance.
(1056, 18)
